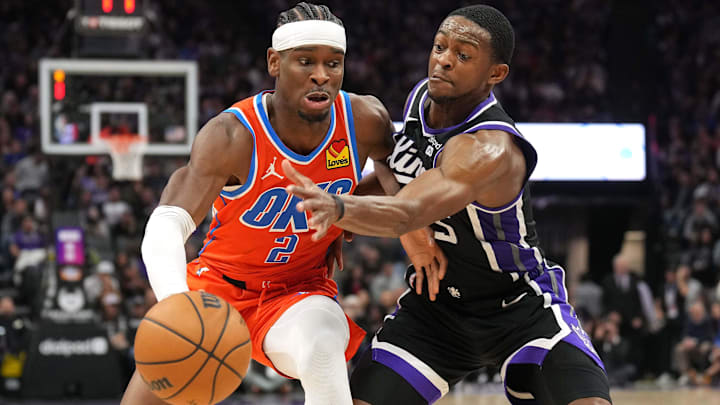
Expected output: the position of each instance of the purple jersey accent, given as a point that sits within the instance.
(437, 131)
(421, 384)
(411, 98)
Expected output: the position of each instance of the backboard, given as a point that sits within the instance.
(82, 99)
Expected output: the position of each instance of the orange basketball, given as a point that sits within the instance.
(192, 348)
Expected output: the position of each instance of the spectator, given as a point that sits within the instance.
(28, 245)
(116, 327)
(614, 351)
(691, 354)
(389, 280)
(356, 282)
(700, 218)
(114, 208)
(102, 281)
(689, 288)
(32, 172)
(588, 295)
(13, 345)
(700, 258)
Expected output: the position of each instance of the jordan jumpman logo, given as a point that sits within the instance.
(271, 170)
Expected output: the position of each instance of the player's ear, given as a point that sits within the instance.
(498, 73)
(273, 62)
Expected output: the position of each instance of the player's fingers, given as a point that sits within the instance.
(339, 253)
(295, 175)
(320, 232)
(442, 265)
(300, 191)
(330, 262)
(433, 283)
(419, 277)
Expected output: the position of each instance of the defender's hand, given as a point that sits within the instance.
(322, 207)
(334, 254)
(427, 258)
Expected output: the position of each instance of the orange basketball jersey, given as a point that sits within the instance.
(256, 232)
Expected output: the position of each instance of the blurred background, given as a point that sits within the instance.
(637, 230)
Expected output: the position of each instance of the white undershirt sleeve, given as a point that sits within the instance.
(163, 249)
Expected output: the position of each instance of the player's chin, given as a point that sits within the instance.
(440, 96)
(314, 116)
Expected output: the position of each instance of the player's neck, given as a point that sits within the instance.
(448, 113)
(298, 134)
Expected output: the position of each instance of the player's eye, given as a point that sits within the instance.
(463, 57)
(334, 64)
(304, 61)
(439, 48)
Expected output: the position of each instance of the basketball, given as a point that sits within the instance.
(192, 348)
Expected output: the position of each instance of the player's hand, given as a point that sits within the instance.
(334, 254)
(321, 206)
(427, 258)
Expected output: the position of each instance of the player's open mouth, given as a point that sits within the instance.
(317, 100)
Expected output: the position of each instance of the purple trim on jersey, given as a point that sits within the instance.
(436, 156)
(508, 129)
(511, 225)
(498, 209)
(487, 225)
(411, 98)
(577, 336)
(502, 238)
(422, 385)
(437, 131)
(506, 261)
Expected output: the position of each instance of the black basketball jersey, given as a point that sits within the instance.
(488, 249)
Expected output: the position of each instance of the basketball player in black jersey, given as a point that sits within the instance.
(464, 167)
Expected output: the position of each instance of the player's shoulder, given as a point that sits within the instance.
(368, 110)
(224, 132)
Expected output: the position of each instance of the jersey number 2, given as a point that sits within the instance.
(281, 254)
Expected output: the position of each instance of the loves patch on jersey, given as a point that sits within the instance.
(337, 155)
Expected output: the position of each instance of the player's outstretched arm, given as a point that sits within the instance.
(487, 167)
(187, 198)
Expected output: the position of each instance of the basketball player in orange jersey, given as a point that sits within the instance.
(258, 254)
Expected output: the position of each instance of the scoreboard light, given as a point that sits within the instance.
(110, 17)
(59, 87)
(129, 6)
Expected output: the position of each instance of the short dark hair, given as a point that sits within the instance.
(502, 35)
(305, 11)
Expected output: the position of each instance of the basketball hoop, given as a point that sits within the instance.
(126, 151)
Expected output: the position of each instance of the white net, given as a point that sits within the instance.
(127, 153)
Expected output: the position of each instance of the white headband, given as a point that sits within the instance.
(309, 32)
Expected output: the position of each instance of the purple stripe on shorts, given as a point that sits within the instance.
(529, 354)
(421, 384)
(577, 336)
(527, 257)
